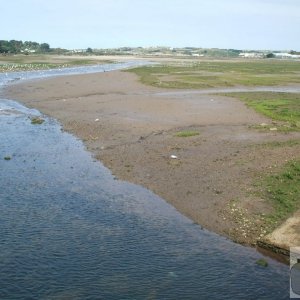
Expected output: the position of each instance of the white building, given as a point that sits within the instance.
(251, 55)
(286, 55)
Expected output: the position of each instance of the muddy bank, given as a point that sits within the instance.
(133, 130)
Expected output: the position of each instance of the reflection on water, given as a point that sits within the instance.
(69, 230)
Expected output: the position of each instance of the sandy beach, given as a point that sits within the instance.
(132, 129)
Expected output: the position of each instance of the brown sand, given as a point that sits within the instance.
(132, 130)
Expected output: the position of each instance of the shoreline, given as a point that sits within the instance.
(132, 130)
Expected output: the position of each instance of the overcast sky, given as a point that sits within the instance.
(239, 24)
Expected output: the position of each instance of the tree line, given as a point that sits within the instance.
(16, 47)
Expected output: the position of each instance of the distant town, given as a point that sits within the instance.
(28, 47)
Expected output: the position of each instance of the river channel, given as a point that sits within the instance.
(70, 230)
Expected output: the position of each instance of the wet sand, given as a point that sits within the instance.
(132, 129)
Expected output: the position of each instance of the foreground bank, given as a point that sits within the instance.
(199, 152)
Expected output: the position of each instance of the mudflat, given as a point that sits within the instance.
(198, 152)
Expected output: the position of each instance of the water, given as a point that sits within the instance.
(69, 230)
(211, 91)
(12, 77)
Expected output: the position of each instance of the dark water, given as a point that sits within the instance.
(69, 230)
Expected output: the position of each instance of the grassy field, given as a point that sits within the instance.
(282, 190)
(213, 74)
(282, 107)
(11, 63)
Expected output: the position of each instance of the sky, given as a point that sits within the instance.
(79, 24)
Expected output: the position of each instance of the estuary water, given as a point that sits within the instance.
(70, 230)
(12, 77)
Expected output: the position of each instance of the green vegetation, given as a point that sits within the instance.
(15, 47)
(37, 120)
(187, 133)
(283, 192)
(283, 189)
(262, 262)
(186, 52)
(29, 56)
(270, 55)
(276, 144)
(284, 107)
(213, 74)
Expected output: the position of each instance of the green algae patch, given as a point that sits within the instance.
(262, 262)
(187, 133)
(37, 121)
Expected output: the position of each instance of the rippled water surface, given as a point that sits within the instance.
(69, 230)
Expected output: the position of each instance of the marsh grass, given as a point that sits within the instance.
(187, 133)
(283, 107)
(283, 192)
(277, 144)
(213, 74)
